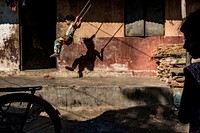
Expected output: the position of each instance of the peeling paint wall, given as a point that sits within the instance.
(122, 53)
(9, 39)
(9, 47)
(104, 18)
(173, 18)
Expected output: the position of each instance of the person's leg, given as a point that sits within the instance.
(81, 69)
(68, 40)
(57, 47)
(80, 74)
(75, 64)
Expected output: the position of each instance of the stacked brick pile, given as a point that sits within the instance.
(171, 60)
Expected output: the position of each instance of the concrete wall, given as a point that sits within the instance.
(173, 18)
(122, 53)
(106, 19)
(9, 39)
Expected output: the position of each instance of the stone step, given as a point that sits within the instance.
(117, 96)
(86, 92)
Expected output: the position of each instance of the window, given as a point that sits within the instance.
(144, 18)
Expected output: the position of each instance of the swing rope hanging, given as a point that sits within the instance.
(112, 36)
(99, 28)
(85, 8)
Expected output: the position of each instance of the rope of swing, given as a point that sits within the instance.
(113, 36)
(85, 8)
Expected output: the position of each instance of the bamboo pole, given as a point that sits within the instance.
(183, 8)
(183, 14)
(84, 7)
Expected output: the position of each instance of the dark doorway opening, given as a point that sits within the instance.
(38, 32)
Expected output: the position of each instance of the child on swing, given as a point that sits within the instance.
(73, 24)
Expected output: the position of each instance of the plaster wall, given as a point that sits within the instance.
(106, 20)
(9, 39)
(121, 53)
(9, 47)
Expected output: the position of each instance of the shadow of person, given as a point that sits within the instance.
(87, 60)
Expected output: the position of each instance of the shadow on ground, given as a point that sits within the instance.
(153, 117)
(145, 119)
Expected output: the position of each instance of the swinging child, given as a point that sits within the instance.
(73, 24)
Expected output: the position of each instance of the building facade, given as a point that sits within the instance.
(129, 31)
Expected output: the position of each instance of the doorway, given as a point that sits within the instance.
(37, 33)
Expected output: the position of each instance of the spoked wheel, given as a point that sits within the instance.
(26, 113)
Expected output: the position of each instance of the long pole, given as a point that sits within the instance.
(86, 10)
(113, 36)
(183, 8)
(99, 28)
(183, 14)
(84, 7)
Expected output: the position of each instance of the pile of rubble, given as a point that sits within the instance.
(171, 59)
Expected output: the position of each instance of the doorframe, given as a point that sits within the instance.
(21, 67)
(20, 19)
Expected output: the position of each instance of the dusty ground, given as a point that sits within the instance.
(146, 119)
(140, 119)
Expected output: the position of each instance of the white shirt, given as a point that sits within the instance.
(71, 29)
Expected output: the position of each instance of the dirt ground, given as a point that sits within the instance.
(139, 119)
(143, 119)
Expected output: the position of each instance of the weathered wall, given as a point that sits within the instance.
(9, 47)
(173, 18)
(122, 53)
(108, 15)
(9, 39)
(105, 16)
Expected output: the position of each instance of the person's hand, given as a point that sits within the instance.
(102, 50)
(93, 36)
(77, 17)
